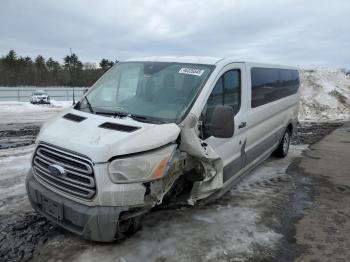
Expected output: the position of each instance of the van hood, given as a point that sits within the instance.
(101, 144)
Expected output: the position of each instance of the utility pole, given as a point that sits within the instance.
(70, 72)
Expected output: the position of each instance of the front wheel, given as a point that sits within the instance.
(283, 147)
(127, 227)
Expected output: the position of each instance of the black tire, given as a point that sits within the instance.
(127, 227)
(283, 147)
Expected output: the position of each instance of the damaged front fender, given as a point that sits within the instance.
(210, 160)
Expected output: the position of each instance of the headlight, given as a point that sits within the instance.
(141, 167)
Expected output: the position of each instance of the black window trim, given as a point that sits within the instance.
(276, 68)
(239, 89)
(221, 78)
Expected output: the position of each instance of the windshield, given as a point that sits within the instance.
(153, 91)
(39, 93)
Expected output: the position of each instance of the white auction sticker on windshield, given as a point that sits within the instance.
(191, 71)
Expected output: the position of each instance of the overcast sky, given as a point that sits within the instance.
(296, 32)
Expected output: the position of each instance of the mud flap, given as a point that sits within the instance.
(212, 163)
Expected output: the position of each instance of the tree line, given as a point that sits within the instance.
(16, 70)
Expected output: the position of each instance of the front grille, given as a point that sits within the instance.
(78, 179)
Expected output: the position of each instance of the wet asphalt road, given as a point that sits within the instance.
(271, 207)
(322, 233)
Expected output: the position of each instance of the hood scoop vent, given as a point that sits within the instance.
(74, 118)
(119, 127)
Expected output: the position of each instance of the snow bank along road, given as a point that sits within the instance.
(20, 121)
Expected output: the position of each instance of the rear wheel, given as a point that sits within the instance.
(283, 147)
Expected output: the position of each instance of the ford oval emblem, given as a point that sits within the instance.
(57, 170)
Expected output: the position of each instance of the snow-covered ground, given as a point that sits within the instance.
(25, 112)
(325, 95)
(14, 165)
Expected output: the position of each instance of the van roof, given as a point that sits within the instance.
(201, 60)
(180, 59)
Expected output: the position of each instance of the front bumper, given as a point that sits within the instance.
(98, 223)
(40, 100)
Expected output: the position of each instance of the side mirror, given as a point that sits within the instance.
(222, 122)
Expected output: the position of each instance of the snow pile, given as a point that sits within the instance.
(22, 107)
(14, 165)
(325, 94)
(55, 103)
(25, 112)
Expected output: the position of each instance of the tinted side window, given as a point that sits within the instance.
(232, 92)
(264, 82)
(217, 95)
(289, 81)
(227, 91)
(271, 84)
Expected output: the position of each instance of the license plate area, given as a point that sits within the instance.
(52, 208)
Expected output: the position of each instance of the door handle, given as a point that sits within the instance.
(242, 125)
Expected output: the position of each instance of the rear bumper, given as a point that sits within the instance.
(98, 223)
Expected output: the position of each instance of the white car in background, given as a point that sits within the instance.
(39, 97)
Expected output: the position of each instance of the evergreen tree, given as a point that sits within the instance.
(11, 58)
(52, 65)
(21, 62)
(40, 62)
(17, 70)
(72, 63)
(28, 61)
(105, 64)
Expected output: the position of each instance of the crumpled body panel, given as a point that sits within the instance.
(210, 160)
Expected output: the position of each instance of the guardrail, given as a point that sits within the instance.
(23, 94)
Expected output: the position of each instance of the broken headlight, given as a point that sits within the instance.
(141, 166)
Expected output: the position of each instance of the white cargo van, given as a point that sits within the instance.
(159, 130)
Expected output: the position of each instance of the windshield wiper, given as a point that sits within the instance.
(112, 113)
(138, 118)
(122, 113)
(89, 105)
(145, 119)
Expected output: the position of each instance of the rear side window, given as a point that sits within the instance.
(271, 84)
